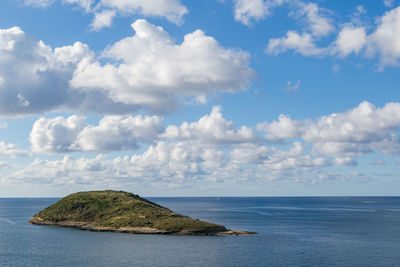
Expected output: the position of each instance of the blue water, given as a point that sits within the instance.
(322, 231)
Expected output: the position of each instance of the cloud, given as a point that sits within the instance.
(105, 10)
(11, 150)
(316, 18)
(114, 133)
(171, 163)
(300, 43)
(85, 4)
(153, 70)
(211, 129)
(382, 42)
(211, 149)
(35, 77)
(102, 19)
(161, 163)
(347, 134)
(385, 40)
(148, 71)
(248, 11)
(284, 128)
(350, 39)
(345, 162)
(172, 10)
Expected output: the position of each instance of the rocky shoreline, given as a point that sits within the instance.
(136, 230)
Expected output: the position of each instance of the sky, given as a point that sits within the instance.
(200, 98)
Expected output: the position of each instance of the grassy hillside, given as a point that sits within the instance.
(120, 209)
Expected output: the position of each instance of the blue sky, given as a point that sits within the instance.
(199, 98)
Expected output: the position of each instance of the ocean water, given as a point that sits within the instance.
(315, 231)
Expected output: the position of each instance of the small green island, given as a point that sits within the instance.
(118, 211)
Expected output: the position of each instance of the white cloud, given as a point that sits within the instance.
(11, 150)
(114, 133)
(154, 73)
(284, 128)
(35, 77)
(300, 43)
(165, 163)
(154, 70)
(211, 129)
(349, 40)
(102, 19)
(105, 10)
(85, 4)
(385, 40)
(160, 163)
(348, 134)
(315, 17)
(57, 134)
(247, 11)
(363, 124)
(211, 148)
(172, 10)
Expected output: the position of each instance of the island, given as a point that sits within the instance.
(119, 211)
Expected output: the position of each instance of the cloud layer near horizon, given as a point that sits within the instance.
(212, 148)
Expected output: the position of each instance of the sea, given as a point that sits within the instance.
(292, 231)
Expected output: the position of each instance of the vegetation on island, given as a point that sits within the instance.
(108, 210)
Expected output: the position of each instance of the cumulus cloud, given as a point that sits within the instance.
(35, 78)
(114, 133)
(382, 42)
(172, 163)
(162, 163)
(385, 40)
(153, 73)
(211, 129)
(154, 70)
(300, 43)
(350, 40)
(284, 128)
(248, 11)
(316, 18)
(211, 148)
(316, 23)
(348, 134)
(102, 19)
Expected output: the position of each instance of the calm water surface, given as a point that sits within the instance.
(326, 231)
